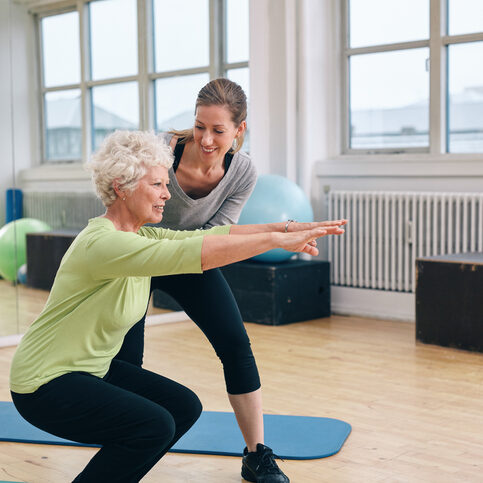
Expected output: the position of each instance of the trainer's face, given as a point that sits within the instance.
(214, 132)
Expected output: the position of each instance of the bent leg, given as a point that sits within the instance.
(135, 431)
(208, 300)
(248, 410)
(181, 402)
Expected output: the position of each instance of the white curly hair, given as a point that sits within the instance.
(125, 156)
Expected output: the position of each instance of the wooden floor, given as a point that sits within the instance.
(416, 410)
(19, 306)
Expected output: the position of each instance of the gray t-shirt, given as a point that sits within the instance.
(222, 206)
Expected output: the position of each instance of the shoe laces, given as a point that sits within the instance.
(267, 461)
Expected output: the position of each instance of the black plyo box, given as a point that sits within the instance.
(449, 301)
(274, 294)
(44, 254)
(271, 294)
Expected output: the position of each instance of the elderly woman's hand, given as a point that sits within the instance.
(246, 241)
(306, 240)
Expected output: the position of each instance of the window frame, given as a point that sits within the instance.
(145, 78)
(438, 43)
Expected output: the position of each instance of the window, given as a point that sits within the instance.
(132, 64)
(61, 87)
(411, 81)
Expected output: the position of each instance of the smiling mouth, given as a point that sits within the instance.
(159, 207)
(207, 150)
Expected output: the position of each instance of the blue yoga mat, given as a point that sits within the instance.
(292, 437)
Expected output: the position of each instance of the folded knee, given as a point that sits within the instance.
(190, 408)
(156, 432)
(234, 348)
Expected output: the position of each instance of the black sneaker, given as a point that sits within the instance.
(260, 466)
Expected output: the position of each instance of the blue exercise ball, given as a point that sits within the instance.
(22, 274)
(276, 199)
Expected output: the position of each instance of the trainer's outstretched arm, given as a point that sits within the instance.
(280, 227)
(220, 250)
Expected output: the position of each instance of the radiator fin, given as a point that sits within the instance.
(387, 231)
(62, 210)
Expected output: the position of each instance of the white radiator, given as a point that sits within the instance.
(62, 210)
(387, 231)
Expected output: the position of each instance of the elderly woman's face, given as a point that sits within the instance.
(146, 202)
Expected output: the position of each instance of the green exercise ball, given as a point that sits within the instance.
(13, 244)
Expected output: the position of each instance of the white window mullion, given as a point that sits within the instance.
(217, 38)
(345, 78)
(463, 38)
(373, 49)
(437, 78)
(174, 73)
(40, 100)
(149, 65)
(86, 104)
(235, 65)
(144, 67)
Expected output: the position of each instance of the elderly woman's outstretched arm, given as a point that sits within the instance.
(221, 250)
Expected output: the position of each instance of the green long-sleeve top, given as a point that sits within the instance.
(101, 290)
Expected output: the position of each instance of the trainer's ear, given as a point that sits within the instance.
(241, 128)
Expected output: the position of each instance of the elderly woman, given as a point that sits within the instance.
(63, 376)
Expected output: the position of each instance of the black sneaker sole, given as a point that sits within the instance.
(248, 475)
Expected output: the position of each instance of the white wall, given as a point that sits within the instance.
(296, 54)
(17, 100)
(272, 86)
(293, 85)
(6, 173)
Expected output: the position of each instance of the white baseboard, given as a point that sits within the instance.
(156, 319)
(167, 318)
(10, 340)
(378, 304)
(345, 301)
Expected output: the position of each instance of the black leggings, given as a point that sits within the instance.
(136, 415)
(209, 302)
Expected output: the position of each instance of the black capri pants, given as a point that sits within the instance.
(136, 415)
(209, 302)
